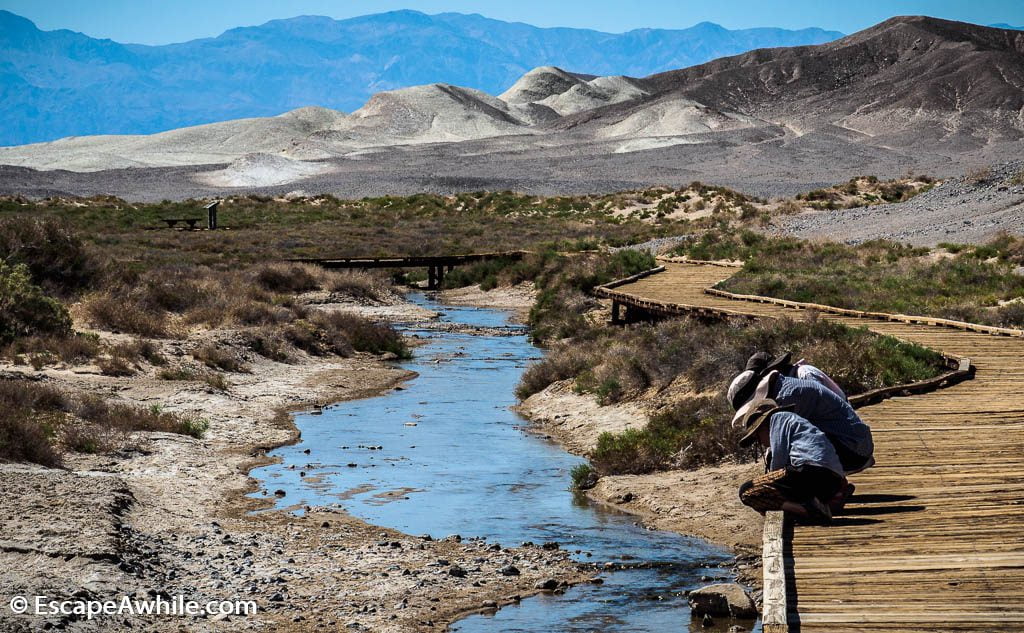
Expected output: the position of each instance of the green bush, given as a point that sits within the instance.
(55, 255)
(25, 310)
(583, 476)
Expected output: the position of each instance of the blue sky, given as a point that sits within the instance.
(163, 21)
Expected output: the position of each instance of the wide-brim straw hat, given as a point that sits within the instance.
(758, 416)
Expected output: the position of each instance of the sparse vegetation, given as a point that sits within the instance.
(860, 191)
(25, 310)
(683, 367)
(878, 275)
(38, 422)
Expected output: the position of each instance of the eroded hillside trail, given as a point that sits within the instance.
(933, 539)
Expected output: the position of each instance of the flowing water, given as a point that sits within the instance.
(446, 455)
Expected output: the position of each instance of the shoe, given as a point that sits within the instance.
(817, 513)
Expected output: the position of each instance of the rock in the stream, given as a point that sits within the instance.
(723, 599)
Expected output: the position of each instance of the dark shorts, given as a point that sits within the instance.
(769, 491)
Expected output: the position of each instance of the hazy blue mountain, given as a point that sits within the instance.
(1004, 25)
(61, 83)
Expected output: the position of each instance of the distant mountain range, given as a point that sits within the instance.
(61, 83)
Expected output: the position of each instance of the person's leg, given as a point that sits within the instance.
(762, 494)
(810, 489)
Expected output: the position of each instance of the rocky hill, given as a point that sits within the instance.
(62, 83)
(911, 93)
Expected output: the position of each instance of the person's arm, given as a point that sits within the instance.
(780, 436)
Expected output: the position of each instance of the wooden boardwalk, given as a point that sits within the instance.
(933, 539)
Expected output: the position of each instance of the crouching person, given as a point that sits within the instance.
(804, 473)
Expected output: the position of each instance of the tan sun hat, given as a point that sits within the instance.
(758, 416)
(751, 390)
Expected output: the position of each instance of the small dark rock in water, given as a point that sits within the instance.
(596, 581)
(456, 571)
(549, 584)
(736, 628)
(302, 473)
(351, 465)
(454, 537)
(279, 493)
(427, 537)
(551, 545)
(489, 604)
(307, 451)
(723, 599)
(509, 570)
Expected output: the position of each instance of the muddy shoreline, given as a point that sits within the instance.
(171, 515)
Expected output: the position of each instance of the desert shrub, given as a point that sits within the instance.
(583, 476)
(138, 350)
(115, 366)
(215, 381)
(26, 437)
(218, 358)
(357, 285)
(38, 421)
(73, 349)
(363, 335)
(269, 343)
(979, 175)
(564, 362)
(180, 372)
(25, 310)
(685, 435)
(1010, 315)
(172, 290)
(55, 255)
(125, 314)
(288, 277)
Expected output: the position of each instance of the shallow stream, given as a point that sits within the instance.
(446, 455)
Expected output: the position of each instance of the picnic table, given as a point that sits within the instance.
(171, 222)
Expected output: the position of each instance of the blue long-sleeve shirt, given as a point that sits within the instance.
(797, 443)
(825, 410)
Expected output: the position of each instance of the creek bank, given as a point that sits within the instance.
(702, 502)
(170, 515)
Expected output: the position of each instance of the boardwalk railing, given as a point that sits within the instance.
(437, 265)
(918, 462)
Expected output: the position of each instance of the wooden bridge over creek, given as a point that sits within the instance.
(933, 539)
(437, 265)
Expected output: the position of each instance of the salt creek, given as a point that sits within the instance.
(446, 455)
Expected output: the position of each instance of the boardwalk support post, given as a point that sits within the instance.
(774, 617)
(616, 313)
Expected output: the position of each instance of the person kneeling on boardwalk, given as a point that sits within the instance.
(762, 363)
(822, 407)
(804, 472)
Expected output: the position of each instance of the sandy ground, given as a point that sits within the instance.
(576, 420)
(170, 515)
(519, 299)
